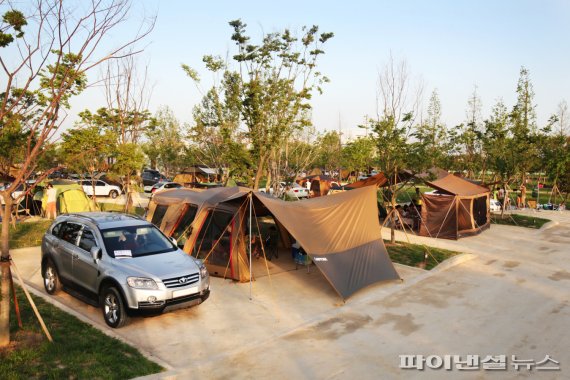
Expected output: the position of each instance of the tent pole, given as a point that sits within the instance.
(250, 232)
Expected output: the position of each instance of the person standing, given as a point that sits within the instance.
(51, 212)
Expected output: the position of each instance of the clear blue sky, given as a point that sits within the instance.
(452, 45)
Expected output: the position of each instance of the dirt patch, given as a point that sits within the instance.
(559, 307)
(333, 328)
(21, 340)
(404, 324)
(491, 262)
(520, 280)
(499, 275)
(511, 264)
(426, 294)
(560, 275)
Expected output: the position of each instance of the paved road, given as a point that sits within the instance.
(511, 298)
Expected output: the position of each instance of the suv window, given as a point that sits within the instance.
(87, 239)
(100, 183)
(69, 232)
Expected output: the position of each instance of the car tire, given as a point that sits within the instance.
(113, 194)
(113, 308)
(52, 284)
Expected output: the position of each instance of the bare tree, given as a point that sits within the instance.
(47, 52)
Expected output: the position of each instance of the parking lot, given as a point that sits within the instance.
(507, 296)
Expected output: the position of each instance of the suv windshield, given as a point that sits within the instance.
(135, 241)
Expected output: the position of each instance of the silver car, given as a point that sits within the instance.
(121, 263)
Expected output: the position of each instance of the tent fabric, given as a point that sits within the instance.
(451, 184)
(377, 180)
(342, 233)
(349, 249)
(70, 198)
(439, 216)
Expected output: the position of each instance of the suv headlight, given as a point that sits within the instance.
(203, 270)
(141, 283)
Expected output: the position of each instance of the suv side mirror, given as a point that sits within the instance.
(95, 253)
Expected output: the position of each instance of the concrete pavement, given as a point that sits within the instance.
(511, 298)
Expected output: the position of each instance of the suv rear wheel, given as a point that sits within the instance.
(113, 307)
(113, 194)
(51, 278)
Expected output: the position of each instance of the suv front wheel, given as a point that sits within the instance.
(113, 194)
(51, 278)
(113, 307)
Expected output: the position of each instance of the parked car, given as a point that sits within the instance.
(495, 205)
(122, 263)
(294, 190)
(161, 186)
(102, 188)
(150, 177)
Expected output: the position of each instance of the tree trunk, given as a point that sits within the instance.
(259, 171)
(5, 264)
(393, 224)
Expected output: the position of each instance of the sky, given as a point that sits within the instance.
(450, 46)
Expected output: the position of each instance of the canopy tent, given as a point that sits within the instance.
(458, 208)
(195, 174)
(341, 233)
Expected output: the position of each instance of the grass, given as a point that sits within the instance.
(414, 255)
(28, 234)
(78, 351)
(519, 220)
(112, 207)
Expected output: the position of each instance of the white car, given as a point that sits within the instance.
(102, 188)
(161, 186)
(495, 205)
(293, 191)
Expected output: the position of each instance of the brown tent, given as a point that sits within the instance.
(341, 234)
(457, 209)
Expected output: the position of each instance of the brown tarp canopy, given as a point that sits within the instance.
(461, 208)
(377, 180)
(341, 234)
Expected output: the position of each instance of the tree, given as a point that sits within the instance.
(165, 145)
(358, 155)
(216, 135)
(278, 80)
(524, 128)
(469, 138)
(431, 136)
(329, 151)
(87, 149)
(47, 51)
(393, 127)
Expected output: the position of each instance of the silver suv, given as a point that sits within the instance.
(122, 263)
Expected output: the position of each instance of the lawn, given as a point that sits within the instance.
(414, 254)
(78, 351)
(28, 234)
(112, 207)
(519, 220)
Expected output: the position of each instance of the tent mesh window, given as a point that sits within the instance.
(158, 215)
(183, 223)
(215, 225)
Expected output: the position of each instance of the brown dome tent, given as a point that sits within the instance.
(458, 208)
